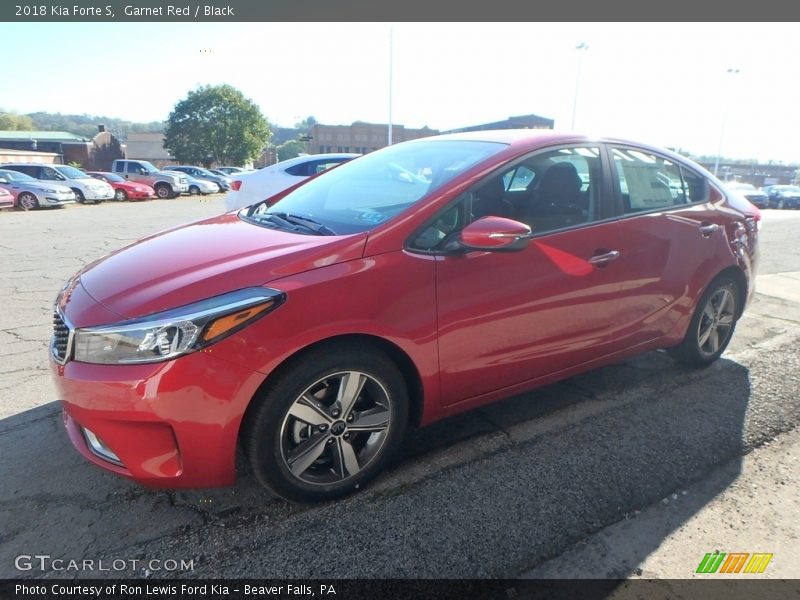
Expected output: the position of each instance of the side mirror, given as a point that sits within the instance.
(495, 234)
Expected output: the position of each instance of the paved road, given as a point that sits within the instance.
(494, 492)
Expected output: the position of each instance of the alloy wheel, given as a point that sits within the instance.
(335, 428)
(715, 324)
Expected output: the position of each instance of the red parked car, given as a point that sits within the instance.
(410, 284)
(124, 189)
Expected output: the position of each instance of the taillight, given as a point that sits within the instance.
(235, 185)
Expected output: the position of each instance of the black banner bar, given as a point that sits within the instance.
(399, 589)
(375, 11)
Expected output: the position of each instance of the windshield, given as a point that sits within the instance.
(112, 177)
(16, 176)
(71, 172)
(370, 190)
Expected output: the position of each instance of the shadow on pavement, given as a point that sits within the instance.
(565, 461)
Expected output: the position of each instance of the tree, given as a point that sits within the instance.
(290, 149)
(216, 124)
(14, 122)
(306, 124)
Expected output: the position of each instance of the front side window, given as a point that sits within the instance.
(547, 191)
(368, 191)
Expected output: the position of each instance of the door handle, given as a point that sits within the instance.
(708, 228)
(601, 260)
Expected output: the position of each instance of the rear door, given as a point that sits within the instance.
(672, 238)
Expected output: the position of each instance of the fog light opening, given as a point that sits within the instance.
(99, 449)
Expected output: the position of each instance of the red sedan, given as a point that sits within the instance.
(410, 284)
(124, 189)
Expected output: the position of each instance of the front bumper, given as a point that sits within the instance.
(98, 194)
(172, 424)
(59, 199)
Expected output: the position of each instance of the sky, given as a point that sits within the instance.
(705, 88)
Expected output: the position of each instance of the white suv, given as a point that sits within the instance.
(86, 187)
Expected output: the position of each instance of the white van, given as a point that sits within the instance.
(86, 187)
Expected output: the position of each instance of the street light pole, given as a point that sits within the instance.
(722, 125)
(391, 59)
(582, 47)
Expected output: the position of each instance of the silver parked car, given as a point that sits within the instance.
(30, 193)
(197, 186)
(222, 181)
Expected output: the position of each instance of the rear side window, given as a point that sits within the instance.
(651, 182)
(312, 167)
(28, 170)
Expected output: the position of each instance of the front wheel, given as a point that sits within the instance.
(27, 201)
(712, 324)
(120, 195)
(163, 191)
(328, 424)
(194, 190)
(79, 195)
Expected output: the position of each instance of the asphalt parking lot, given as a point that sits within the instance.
(497, 492)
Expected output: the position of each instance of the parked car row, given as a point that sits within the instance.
(771, 196)
(33, 185)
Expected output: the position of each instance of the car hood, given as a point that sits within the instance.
(205, 259)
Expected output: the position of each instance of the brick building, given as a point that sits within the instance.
(360, 137)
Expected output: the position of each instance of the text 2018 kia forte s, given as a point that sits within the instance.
(413, 283)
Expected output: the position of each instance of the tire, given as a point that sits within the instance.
(27, 201)
(301, 440)
(163, 191)
(712, 324)
(194, 190)
(120, 195)
(79, 196)
(779, 205)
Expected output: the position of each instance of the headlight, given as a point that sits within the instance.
(172, 333)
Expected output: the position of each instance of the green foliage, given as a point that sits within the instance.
(216, 124)
(306, 124)
(15, 122)
(86, 125)
(290, 149)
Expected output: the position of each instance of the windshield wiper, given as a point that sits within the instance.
(274, 220)
(306, 222)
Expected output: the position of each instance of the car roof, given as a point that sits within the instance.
(306, 157)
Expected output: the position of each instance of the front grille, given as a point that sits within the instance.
(61, 338)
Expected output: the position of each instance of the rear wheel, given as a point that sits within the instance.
(328, 424)
(712, 324)
(27, 201)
